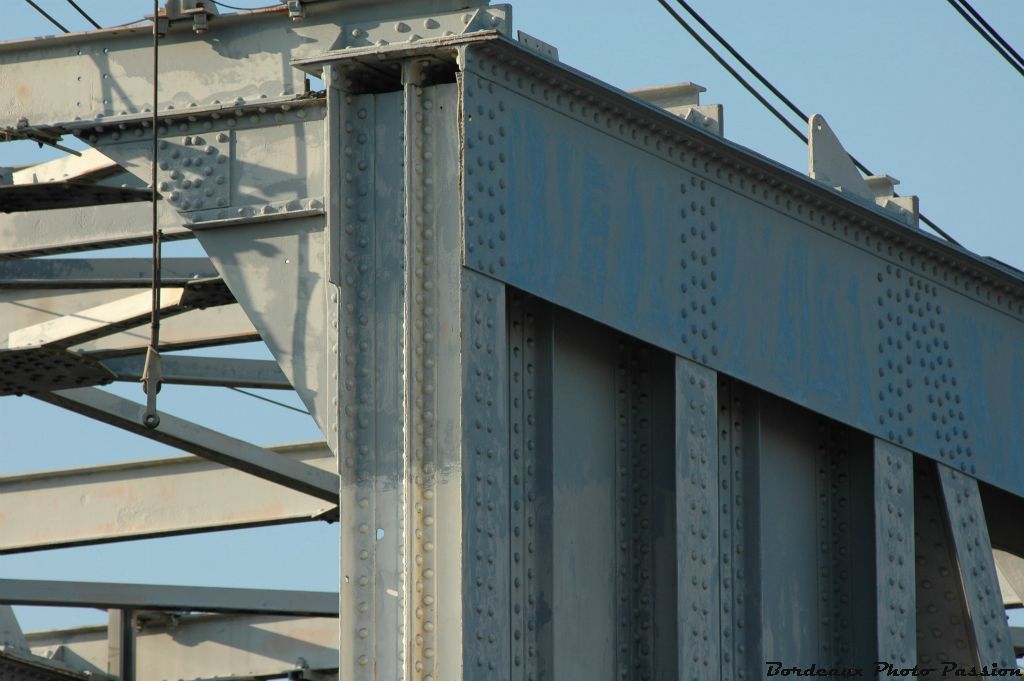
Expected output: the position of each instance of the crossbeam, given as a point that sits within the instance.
(145, 499)
(100, 273)
(96, 322)
(163, 597)
(204, 646)
(70, 230)
(212, 371)
(194, 329)
(198, 440)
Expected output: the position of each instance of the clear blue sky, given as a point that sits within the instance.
(910, 89)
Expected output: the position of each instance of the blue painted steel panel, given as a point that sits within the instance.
(657, 234)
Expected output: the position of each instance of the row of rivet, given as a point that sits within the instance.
(832, 489)
(354, 373)
(916, 368)
(382, 34)
(698, 239)
(641, 480)
(703, 155)
(523, 488)
(176, 120)
(894, 536)
(486, 476)
(697, 498)
(623, 517)
(485, 182)
(731, 527)
(420, 380)
(530, 492)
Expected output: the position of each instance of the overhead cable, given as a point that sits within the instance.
(82, 12)
(1013, 60)
(240, 9)
(51, 19)
(994, 32)
(267, 399)
(735, 74)
(774, 90)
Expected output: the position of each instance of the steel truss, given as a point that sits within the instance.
(604, 395)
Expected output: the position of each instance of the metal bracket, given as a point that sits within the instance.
(151, 380)
(539, 46)
(39, 134)
(830, 163)
(883, 189)
(488, 19)
(198, 10)
(296, 12)
(683, 100)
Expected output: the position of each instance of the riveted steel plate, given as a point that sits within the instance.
(668, 234)
(43, 369)
(697, 520)
(894, 549)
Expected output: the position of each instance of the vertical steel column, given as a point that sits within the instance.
(398, 371)
(524, 404)
(973, 554)
(697, 522)
(369, 462)
(634, 499)
(487, 579)
(895, 596)
(733, 550)
(832, 491)
(121, 644)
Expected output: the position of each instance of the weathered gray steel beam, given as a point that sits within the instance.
(204, 646)
(163, 497)
(105, 73)
(68, 230)
(212, 371)
(194, 329)
(164, 597)
(96, 322)
(856, 287)
(95, 273)
(196, 439)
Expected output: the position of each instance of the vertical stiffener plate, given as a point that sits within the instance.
(896, 602)
(697, 521)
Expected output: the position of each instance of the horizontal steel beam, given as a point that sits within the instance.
(194, 329)
(99, 74)
(212, 371)
(198, 440)
(95, 322)
(204, 646)
(163, 597)
(88, 273)
(70, 230)
(140, 500)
